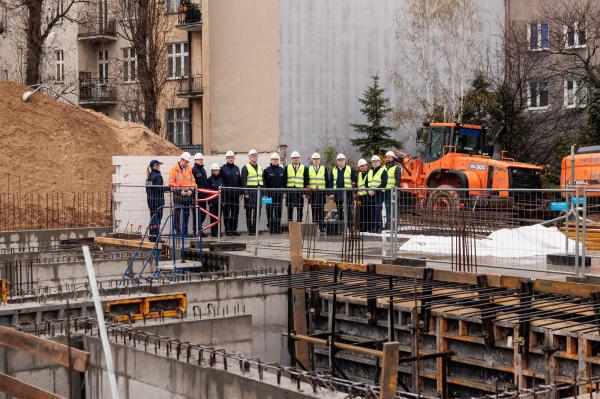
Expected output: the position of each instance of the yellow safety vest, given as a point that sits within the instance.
(391, 182)
(347, 177)
(361, 183)
(316, 179)
(255, 177)
(374, 178)
(295, 179)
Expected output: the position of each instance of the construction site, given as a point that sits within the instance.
(475, 293)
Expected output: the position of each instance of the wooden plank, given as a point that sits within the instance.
(126, 243)
(400, 271)
(389, 370)
(339, 345)
(455, 277)
(564, 288)
(21, 390)
(49, 350)
(298, 294)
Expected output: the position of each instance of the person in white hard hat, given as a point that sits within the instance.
(362, 195)
(273, 178)
(376, 179)
(252, 179)
(232, 182)
(182, 184)
(295, 177)
(319, 179)
(394, 173)
(344, 180)
(214, 182)
(201, 182)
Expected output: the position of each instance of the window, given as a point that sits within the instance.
(575, 93)
(132, 116)
(178, 126)
(129, 65)
(59, 10)
(538, 37)
(177, 60)
(172, 6)
(537, 95)
(60, 66)
(575, 36)
(103, 66)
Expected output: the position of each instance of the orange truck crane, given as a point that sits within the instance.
(452, 157)
(582, 168)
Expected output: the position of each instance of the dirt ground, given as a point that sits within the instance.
(49, 146)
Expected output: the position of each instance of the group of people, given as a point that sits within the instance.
(369, 189)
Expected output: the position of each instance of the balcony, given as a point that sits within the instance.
(96, 92)
(190, 87)
(189, 17)
(98, 31)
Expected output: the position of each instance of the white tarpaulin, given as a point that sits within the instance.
(536, 240)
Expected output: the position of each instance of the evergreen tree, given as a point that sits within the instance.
(375, 137)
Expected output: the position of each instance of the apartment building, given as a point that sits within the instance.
(555, 83)
(272, 75)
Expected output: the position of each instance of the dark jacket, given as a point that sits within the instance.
(200, 176)
(214, 183)
(273, 177)
(155, 190)
(285, 176)
(231, 178)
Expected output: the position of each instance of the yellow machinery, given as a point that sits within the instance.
(148, 307)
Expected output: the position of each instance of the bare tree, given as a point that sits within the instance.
(146, 28)
(37, 19)
(438, 43)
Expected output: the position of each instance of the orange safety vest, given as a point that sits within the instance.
(179, 178)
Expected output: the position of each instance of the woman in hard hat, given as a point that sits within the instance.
(155, 195)
(215, 182)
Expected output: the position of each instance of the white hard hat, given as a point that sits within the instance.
(252, 152)
(198, 156)
(229, 154)
(215, 166)
(295, 154)
(316, 156)
(390, 154)
(274, 155)
(340, 156)
(186, 156)
(361, 162)
(375, 158)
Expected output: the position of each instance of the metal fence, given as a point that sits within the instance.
(550, 231)
(54, 210)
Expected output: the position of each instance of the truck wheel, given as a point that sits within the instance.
(444, 198)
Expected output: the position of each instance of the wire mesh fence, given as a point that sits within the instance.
(55, 210)
(522, 230)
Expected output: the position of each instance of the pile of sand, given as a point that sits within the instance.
(50, 146)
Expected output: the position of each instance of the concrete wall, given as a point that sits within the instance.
(26, 241)
(267, 305)
(232, 333)
(40, 373)
(242, 57)
(146, 375)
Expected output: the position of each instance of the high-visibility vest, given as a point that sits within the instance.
(316, 179)
(255, 176)
(179, 178)
(391, 171)
(347, 177)
(362, 183)
(374, 179)
(295, 179)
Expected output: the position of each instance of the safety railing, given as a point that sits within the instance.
(54, 210)
(517, 230)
